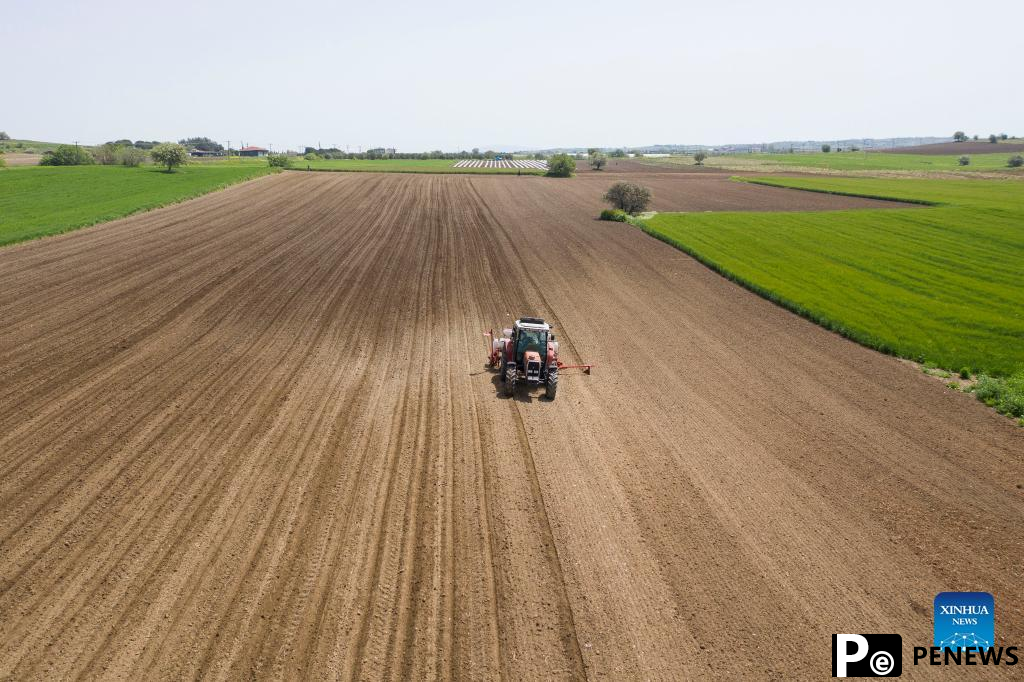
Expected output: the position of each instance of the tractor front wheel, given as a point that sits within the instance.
(510, 379)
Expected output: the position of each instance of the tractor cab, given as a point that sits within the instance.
(530, 335)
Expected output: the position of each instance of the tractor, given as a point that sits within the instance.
(528, 353)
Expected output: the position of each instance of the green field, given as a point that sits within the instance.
(942, 284)
(36, 201)
(26, 146)
(404, 166)
(852, 162)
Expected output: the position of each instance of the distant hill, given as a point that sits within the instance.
(26, 146)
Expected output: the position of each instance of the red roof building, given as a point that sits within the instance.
(253, 151)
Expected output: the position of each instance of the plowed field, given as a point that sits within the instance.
(252, 435)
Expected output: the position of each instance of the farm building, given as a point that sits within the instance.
(253, 151)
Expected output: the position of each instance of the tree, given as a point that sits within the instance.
(203, 144)
(170, 155)
(4, 136)
(992, 138)
(618, 154)
(592, 151)
(67, 155)
(699, 157)
(959, 136)
(628, 197)
(826, 148)
(561, 166)
(1003, 136)
(964, 160)
(598, 160)
(1015, 161)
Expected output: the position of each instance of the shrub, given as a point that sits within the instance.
(107, 154)
(561, 166)
(131, 157)
(699, 158)
(67, 155)
(1015, 161)
(614, 214)
(311, 156)
(826, 148)
(170, 155)
(993, 139)
(965, 372)
(628, 197)
(964, 160)
(279, 161)
(1006, 395)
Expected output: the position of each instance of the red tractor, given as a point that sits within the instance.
(528, 352)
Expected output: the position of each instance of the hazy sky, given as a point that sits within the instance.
(450, 75)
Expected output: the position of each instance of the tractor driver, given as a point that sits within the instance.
(531, 339)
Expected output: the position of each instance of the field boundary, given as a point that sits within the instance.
(471, 171)
(767, 182)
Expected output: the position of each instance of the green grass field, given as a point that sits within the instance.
(26, 146)
(403, 166)
(853, 162)
(942, 284)
(36, 201)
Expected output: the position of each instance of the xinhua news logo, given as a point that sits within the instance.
(964, 620)
(867, 655)
(965, 633)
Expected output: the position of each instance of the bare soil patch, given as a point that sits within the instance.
(18, 159)
(252, 436)
(968, 147)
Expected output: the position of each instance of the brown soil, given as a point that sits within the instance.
(633, 166)
(715, 191)
(19, 159)
(968, 147)
(252, 436)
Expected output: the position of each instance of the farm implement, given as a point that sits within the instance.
(528, 353)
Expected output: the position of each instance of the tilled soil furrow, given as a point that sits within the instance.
(251, 435)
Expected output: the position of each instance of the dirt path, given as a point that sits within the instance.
(252, 436)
